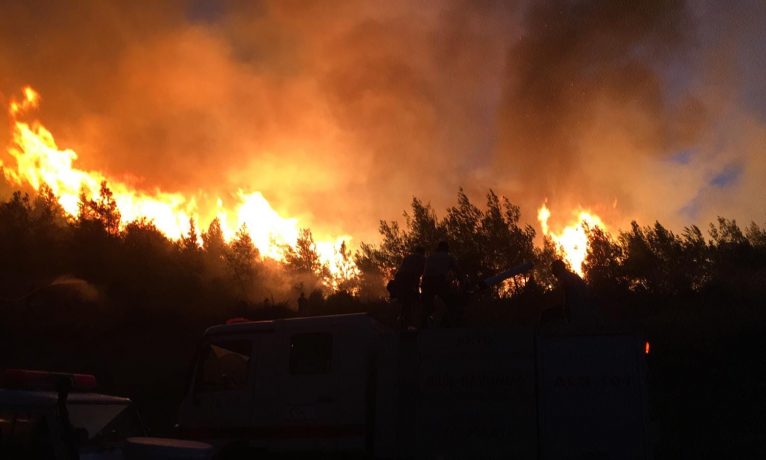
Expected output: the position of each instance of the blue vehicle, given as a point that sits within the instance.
(60, 416)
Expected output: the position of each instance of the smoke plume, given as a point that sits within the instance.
(340, 111)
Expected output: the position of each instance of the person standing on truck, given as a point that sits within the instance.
(406, 283)
(576, 306)
(302, 304)
(436, 282)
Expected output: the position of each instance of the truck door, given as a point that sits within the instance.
(222, 394)
(309, 387)
(317, 390)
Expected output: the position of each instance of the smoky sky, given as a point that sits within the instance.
(339, 112)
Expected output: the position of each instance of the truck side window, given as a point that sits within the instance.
(224, 365)
(310, 353)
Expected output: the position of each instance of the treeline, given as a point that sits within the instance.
(641, 261)
(135, 263)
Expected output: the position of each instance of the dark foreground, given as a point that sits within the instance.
(706, 363)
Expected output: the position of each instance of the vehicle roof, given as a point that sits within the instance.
(49, 398)
(245, 326)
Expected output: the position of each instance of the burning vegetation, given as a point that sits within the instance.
(572, 241)
(40, 163)
(251, 225)
(264, 254)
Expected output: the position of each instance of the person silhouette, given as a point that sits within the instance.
(406, 283)
(576, 307)
(436, 281)
(302, 304)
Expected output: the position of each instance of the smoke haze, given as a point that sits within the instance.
(339, 112)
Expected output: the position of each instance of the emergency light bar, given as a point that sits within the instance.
(25, 379)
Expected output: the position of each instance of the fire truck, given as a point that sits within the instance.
(344, 383)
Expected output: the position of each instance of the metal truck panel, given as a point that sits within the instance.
(476, 394)
(592, 397)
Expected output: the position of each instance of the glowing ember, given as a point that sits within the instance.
(572, 241)
(39, 161)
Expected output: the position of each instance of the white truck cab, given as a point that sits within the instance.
(344, 383)
(292, 383)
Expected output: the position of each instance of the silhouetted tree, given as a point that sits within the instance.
(16, 242)
(504, 242)
(212, 240)
(346, 277)
(102, 209)
(96, 236)
(603, 261)
(304, 258)
(423, 228)
(462, 226)
(544, 257)
(241, 260)
(484, 242)
(190, 241)
(148, 269)
(371, 278)
(737, 266)
(756, 236)
(214, 248)
(639, 260)
(695, 258)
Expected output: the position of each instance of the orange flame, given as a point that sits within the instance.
(39, 161)
(572, 241)
(30, 101)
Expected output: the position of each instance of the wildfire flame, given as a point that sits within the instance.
(572, 241)
(39, 161)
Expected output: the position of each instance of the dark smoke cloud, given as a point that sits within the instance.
(340, 111)
(584, 91)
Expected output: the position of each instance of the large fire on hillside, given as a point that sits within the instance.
(40, 162)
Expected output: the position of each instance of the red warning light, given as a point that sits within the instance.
(26, 379)
(647, 347)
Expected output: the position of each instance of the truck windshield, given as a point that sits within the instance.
(224, 365)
